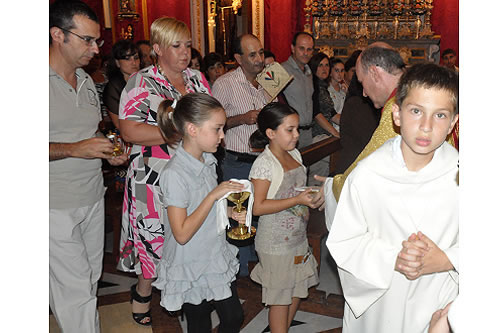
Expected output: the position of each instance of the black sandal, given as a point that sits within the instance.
(139, 317)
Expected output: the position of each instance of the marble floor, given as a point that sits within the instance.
(321, 312)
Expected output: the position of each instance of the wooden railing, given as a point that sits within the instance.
(316, 151)
(316, 227)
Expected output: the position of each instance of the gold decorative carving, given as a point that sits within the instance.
(236, 5)
(145, 22)
(371, 19)
(128, 10)
(307, 10)
(198, 26)
(258, 19)
(211, 9)
(405, 53)
(257, 16)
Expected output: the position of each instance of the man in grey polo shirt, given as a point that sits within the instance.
(76, 191)
(299, 92)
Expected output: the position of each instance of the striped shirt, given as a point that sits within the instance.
(238, 96)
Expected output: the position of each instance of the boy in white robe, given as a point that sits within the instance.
(406, 192)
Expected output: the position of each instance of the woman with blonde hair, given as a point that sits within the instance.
(142, 228)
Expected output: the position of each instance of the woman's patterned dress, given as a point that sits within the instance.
(142, 229)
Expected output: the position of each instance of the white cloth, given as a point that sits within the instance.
(330, 202)
(381, 204)
(453, 315)
(222, 218)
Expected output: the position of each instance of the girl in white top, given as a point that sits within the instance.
(286, 269)
(198, 267)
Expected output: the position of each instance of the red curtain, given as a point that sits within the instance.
(180, 9)
(156, 9)
(444, 21)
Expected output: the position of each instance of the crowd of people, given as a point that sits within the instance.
(198, 128)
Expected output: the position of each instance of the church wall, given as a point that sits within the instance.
(282, 19)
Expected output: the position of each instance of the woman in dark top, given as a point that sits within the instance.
(124, 62)
(323, 113)
(358, 122)
(323, 107)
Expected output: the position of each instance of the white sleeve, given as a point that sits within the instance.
(366, 263)
(452, 254)
(261, 169)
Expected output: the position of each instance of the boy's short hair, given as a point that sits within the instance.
(428, 75)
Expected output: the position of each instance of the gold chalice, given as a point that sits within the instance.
(239, 232)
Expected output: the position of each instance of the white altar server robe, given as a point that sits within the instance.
(382, 204)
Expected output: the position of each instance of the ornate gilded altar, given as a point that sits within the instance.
(342, 26)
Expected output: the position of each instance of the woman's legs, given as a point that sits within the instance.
(144, 289)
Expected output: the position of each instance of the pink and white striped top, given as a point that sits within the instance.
(238, 96)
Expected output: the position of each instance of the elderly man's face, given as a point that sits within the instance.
(370, 88)
(252, 59)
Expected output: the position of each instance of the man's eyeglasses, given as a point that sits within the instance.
(87, 39)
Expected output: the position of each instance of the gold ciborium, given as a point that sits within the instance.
(116, 141)
(241, 231)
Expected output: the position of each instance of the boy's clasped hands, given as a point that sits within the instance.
(420, 256)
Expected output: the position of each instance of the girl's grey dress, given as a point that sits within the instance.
(280, 237)
(204, 267)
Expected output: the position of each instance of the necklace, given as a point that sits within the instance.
(160, 70)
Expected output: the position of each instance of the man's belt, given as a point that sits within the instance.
(242, 157)
(306, 127)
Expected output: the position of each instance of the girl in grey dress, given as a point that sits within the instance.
(286, 268)
(198, 267)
